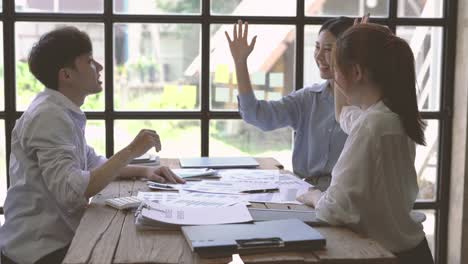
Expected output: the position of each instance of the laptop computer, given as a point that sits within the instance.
(218, 162)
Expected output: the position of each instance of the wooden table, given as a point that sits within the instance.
(106, 235)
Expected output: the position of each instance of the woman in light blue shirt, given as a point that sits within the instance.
(309, 111)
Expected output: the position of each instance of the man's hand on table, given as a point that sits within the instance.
(162, 174)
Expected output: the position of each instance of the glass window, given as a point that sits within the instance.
(346, 8)
(3, 165)
(96, 136)
(426, 162)
(237, 138)
(179, 138)
(145, 7)
(428, 8)
(426, 43)
(311, 72)
(271, 64)
(429, 228)
(60, 6)
(156, 67)
(254, 7)
(26, 35)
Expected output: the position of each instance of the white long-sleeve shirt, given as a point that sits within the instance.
(374, 185)
(50, 167)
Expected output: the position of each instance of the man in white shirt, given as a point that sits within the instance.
(53, 171)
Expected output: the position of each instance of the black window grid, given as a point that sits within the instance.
(448, 22)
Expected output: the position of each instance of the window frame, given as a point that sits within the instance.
(448, 22)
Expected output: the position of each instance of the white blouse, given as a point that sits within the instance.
(373, 186)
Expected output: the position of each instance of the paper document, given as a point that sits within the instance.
(230, 187)
(196, 199)
(249, 174)
(159, 213)
(158, 197)
(290, 188)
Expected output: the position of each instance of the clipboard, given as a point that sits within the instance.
(212, 241)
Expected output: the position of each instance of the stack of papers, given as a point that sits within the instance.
(193, 200)
(159, 216)
(251, 185)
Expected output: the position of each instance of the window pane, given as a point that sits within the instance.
(96, 136)
(237, 138)
(157, 7)
(271, 64)
(179, 138)
(429, 8)
(3, 165)
(156, 66)
(60, 6)
(2, 89)
(346, 8)
(426, 43)
(26, 35)
(426, 162)
(429, 228)
(254, 7)
(311, 72)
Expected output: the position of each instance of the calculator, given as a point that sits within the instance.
(122, 203)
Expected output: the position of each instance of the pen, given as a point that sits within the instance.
(160, 185)
(261, 190)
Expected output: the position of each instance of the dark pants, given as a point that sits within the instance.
(55, 257)
(421, 254)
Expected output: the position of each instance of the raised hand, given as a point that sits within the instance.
(239, 47)
(364, 19)
(145, 140)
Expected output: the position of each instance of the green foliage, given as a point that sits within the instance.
(175, 97)
(25, 81)
(178, 6)
(193, 6)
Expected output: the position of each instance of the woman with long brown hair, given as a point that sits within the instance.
(374, 184)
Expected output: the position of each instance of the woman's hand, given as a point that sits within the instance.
(239, 47)
(310, 198)
(162, 174)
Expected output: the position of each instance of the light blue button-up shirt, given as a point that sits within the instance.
(310, 111)
(50, 167)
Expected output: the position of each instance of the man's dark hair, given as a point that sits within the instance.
(57, 49)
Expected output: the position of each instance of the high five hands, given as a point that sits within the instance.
(238, 45)
(364, 19)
